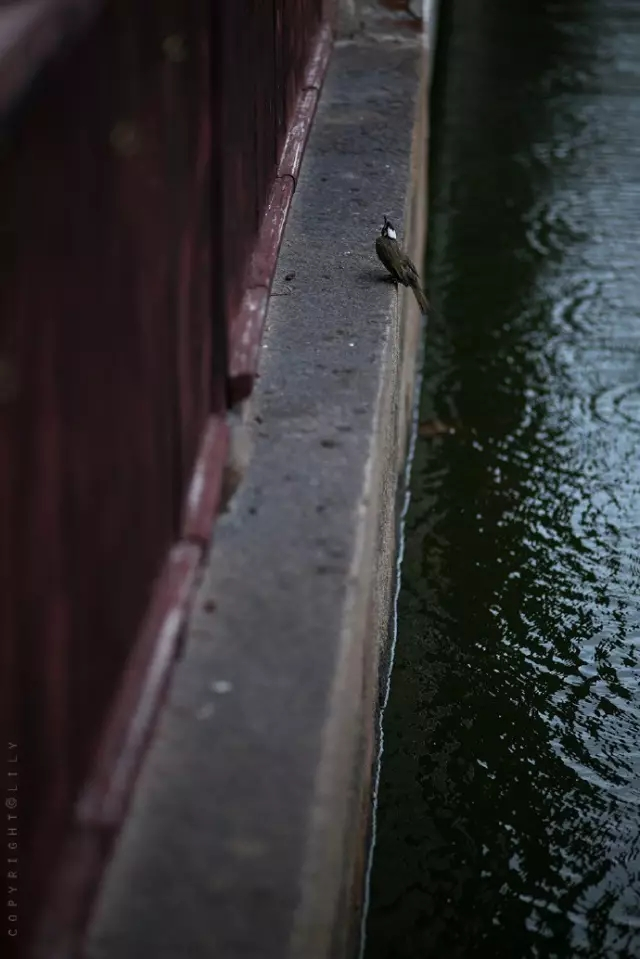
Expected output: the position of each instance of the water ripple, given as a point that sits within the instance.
(509, 818)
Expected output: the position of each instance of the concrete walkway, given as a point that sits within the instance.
(247, 833)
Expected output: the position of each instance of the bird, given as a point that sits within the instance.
(393, 257)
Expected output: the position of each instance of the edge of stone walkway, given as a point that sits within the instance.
(247, 831)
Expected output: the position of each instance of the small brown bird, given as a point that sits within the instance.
(398, 263)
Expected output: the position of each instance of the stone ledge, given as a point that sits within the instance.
(247, 831)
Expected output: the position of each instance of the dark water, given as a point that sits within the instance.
(508, 823)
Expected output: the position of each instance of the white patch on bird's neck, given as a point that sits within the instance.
(391, 232)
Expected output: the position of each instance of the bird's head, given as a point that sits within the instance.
(387, 229)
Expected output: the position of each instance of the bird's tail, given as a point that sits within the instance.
(423, 302)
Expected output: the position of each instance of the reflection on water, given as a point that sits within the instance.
(509, 816)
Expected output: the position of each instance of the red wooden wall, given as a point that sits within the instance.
(138, 145)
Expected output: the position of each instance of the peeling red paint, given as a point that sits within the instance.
(243, 362)
(248, 323)
(296, 141)
(319, 59)
(203, 498)
(265, 257)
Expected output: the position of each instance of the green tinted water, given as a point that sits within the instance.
(508, 821)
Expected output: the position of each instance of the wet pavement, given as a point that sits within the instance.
(508, 821)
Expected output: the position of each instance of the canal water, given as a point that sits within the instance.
(508, 815)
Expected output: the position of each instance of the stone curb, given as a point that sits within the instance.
(247, 832)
